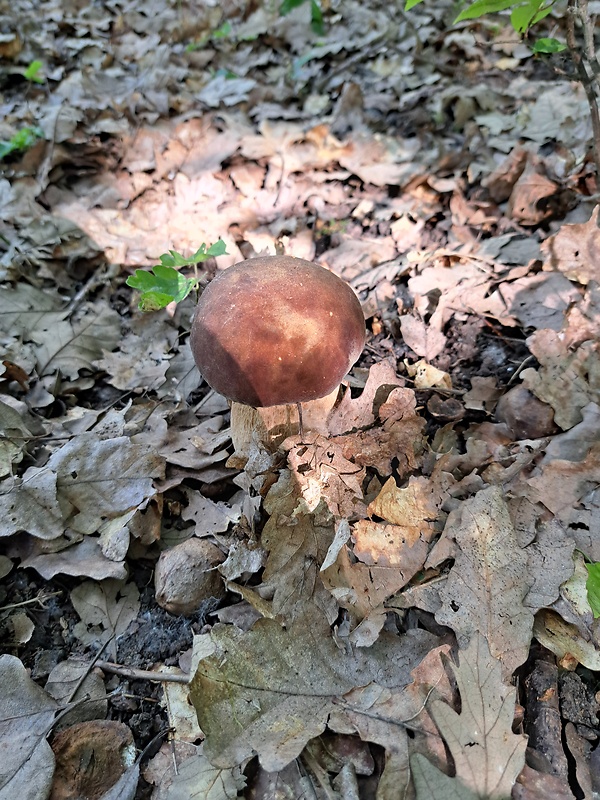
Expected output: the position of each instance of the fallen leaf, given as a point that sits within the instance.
(487, 755)
(26, 715)
(575, 250)
(192, 775)
(106, 610)
(424, 340)
(271, 690)
(487, 586)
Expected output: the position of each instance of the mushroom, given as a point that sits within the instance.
(277, 331)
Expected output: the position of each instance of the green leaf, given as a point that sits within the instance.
(481, 7)
(160, 286)
(22, 140)
(593, 587)
(316, 18)
(222, 31)
(411, 4)
(31, 73)
(219, 248)
(548, 46)
(163, 284)
(289, 5)
(522, 16)
(154, 301)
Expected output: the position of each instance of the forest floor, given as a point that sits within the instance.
(396, 605)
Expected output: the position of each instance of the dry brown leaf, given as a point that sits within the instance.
(567, 380)
(487, 755)
(424, 340)
(575, 250)
(361, 412)
(26, 715)
(270, 690)
(324, 474)
(384, 715)
(528, 202)
(182, 772)
(488, 584)
(297, 542)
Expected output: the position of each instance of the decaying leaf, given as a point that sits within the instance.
(26, 714)
(387, 554)
(298, 542)
(90, 758)
(271, 690)
(192, 775)
(86, 485)
(567, 380)
(106, 610)
(487, 755)
(489, 581)
(575, 250)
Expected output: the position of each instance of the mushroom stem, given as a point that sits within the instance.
(300, 425)
(269, 427)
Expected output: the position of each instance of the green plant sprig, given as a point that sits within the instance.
(163, 284)
(524, 14)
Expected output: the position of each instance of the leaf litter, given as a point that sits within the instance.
(387, 580)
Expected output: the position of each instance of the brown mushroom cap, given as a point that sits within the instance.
(276, 330)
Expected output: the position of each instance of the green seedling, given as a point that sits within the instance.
(164, 284)
(22, 140)
(32, 73)
(523, 15)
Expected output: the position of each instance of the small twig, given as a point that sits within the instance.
(40, 598)
(140, 674)
(97, 278)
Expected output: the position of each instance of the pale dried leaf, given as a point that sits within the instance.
(488, 584)
(272, 689)
(359, 413)
(106, 610)
(487, 755)
(423, 339)
(26, 714)
(297, 543)
(575, 250)
(71, 347)
(197, 777)
(323, 474)
(31, 505)
(564, 639)
(567, 380)
(14, 435)
(84, 559)
(209, 517)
